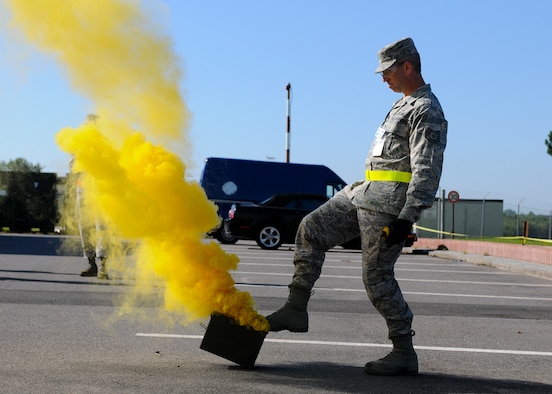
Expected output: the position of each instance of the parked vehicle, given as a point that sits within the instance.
(236, 181)
(273, 221)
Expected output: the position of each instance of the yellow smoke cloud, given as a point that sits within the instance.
(116, 56)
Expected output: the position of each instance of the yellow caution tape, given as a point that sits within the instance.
(438, 232)
(523, 239)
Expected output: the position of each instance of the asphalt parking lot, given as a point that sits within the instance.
(479, 329)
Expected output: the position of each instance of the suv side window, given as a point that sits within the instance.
(294, 204)
(304, 204)
(333, 188)
(311, 205)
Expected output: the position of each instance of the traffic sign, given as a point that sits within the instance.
(453, 196)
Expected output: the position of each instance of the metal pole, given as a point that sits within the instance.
(438, 224)
(442, 222)
(550, 225)
(517, 219)
(452, 231)
(483, 215)
(288, 128)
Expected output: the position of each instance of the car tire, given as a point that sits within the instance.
(269, 237)
(225, 238)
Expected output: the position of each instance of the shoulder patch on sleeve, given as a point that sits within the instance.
(433, 136)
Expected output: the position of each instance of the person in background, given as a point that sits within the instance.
(91, 240)
(91, 234)
(403, 170)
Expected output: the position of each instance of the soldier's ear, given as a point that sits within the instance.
(408, 67)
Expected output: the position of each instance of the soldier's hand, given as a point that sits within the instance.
(396, 232)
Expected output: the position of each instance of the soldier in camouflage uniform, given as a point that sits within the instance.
(92, 232)
(403, 169)
(92, 239)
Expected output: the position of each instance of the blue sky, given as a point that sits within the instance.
(487, 62)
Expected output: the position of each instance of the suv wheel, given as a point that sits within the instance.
(269, 237)
(224, 237)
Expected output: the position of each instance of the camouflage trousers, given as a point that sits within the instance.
(339, 221)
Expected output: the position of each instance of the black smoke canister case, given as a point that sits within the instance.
(227, 339)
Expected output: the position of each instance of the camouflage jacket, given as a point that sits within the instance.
(411, 139)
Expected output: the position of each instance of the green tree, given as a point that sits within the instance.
(538, 224)
(548, 143)
(510, 217)
(22, 165)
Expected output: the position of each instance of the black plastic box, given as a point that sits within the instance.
(227, 339)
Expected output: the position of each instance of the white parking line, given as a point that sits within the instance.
(410, 280)
(289, 263)
(417, 293)
(363, 344)
(448, 271)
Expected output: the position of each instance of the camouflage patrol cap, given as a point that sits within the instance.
(395, 52)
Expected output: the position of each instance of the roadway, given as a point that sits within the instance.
(479, 329)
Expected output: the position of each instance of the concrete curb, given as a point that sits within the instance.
(520, 267)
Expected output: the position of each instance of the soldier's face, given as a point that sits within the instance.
(394, 77)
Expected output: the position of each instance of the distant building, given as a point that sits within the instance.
(473, 218)
(27, 201)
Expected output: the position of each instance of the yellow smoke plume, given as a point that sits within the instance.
(116, 56)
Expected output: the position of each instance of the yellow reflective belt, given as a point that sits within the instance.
(388, 176)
